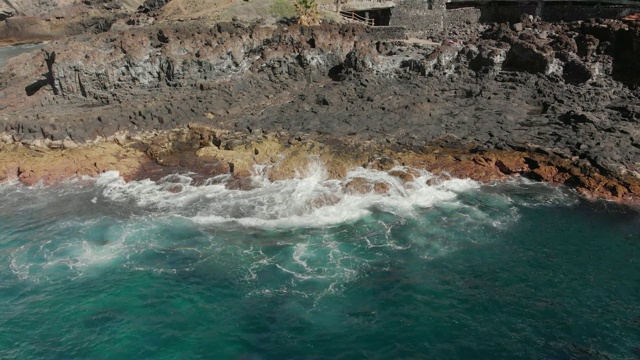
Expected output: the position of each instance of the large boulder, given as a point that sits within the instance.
(152, 5)
(486, 59)
(363, 57)
(525, 56)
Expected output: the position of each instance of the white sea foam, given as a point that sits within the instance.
(58, 260)
(173, 226)
(528, 193)
(308, 200)
(71, 249)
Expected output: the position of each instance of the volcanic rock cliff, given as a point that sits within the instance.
(553, 102)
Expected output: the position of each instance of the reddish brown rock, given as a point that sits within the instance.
(514, 164)
(618, 190)
(361, 185)
(546, 173)
(405, 176)
(357, 185)
(382, 164)
(381, 188)
(240, 181)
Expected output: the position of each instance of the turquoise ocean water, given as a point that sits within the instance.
(100, 269)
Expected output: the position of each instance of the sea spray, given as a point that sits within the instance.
(308, 200)
(147, 220)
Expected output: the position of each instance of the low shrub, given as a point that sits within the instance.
(283, 9)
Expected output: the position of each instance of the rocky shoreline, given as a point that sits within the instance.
(552, 102)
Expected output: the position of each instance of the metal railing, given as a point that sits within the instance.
(350, 15)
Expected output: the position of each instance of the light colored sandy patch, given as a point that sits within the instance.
(420, 41)
(131, 5)
(190, 9)
(225, 10)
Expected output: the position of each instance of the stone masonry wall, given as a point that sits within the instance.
(388, 32)
(460, 17)
(431, 19)
(417, 18)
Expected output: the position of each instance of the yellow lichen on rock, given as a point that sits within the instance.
(31, 166)
(284, 160)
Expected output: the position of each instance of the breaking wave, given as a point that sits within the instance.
(309, 228)
(309, 200)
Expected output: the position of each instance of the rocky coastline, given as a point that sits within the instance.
(553, 102)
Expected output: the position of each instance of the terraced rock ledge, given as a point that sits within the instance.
(552, 102)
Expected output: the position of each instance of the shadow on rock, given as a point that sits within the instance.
(31, 89)
(49, 79)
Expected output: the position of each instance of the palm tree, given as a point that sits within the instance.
(307, 12)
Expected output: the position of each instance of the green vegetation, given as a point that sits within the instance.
(308, 13)
(283, 9)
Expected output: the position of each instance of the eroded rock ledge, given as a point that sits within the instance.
(206, 153)
(552, 102)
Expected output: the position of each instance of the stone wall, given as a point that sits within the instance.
(388, 32)
(432, 19)
(461, 17)
(417, 18)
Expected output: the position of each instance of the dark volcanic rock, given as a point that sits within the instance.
(571, 94)
(525, 56)
(4, 14)
(152, 5)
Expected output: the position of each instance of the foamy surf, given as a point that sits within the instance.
(311, 228)
(308, 200)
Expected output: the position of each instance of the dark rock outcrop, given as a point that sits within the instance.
(546, 102)
(152, 5)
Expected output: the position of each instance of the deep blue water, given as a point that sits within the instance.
(300, 270)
